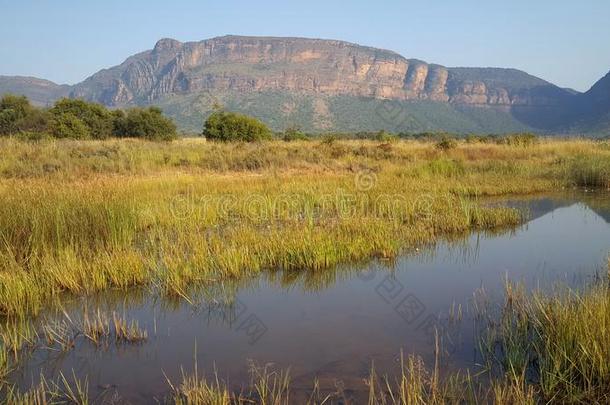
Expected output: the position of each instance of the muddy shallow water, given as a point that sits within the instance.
(334, 324)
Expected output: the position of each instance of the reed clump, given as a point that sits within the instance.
(5, 366)
(96, 327)
(268, 387)
(126, 331)
(59, 391)
(590, 171)
(194, 390)
(558, 341)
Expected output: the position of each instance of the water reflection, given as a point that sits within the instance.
(332, 324)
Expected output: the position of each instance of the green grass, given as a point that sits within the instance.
(561, 339)
(80, 217)
(63, 391)
(267, 387)
(116, 214)
(590, 171)
(4, 363)
(413, 384)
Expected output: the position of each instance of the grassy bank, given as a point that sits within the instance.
(80, 216)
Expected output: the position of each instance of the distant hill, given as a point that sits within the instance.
(323, 85)
(590, 112)
(40, 92)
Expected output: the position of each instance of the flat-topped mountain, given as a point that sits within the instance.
(326, 85)
(312, 66)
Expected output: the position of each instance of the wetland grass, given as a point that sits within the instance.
(591, 171)
(17, 335)
(96, 327)
(80, 217)
(60, 333)
(47, 392)
(267, 387)
(541, 348)
(120, 214)
(5, 366)
(554, 345)
(125, 331)
(194, 390)
(174, 229)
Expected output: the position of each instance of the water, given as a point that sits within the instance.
(333, 324)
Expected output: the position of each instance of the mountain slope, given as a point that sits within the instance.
(306, 65)
(595, 109)
(328, 85)
(40, 92)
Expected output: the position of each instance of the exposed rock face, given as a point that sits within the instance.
(330, 85)
(304, 65)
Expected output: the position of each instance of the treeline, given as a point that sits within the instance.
(78, 119)
(446, 138)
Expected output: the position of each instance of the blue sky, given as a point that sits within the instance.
(565, 42)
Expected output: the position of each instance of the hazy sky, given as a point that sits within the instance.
(566, 42)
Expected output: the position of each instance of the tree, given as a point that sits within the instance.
(37, 120)
(13, 109)
(79, 119)
(67, 125)
(148, 123)
(96, 117)
(228, 126)
(293, 133)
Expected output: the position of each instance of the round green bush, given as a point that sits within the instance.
(228, 126)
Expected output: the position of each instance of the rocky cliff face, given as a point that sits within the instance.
(310, 66)
(325, 85)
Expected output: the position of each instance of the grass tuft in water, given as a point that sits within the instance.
(558, 343)
(126, 331)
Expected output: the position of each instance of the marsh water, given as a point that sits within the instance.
(332, 325)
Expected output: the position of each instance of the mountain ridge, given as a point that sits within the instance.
(223, 68)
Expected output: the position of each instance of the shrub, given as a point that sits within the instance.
(294, 134)
(384, 136)
(148, 123)
(17, 114)
(79, 119)
(33, 136)
(227, 126)
(96, 117)
(329, 139)
(523, 139)
(37, 120)
(444, 168)
(446, 144)
(66, 125)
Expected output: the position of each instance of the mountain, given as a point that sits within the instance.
(591, 110)
(329, 85)
(40, 92)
